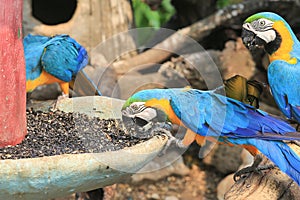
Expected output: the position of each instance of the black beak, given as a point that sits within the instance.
(251, 41)
(131, 120)
(140, 122)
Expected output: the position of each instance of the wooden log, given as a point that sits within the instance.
(12, 74)
(270, 184)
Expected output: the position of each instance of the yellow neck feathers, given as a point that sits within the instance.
(286, 46)
(43, 79)
(164, 105)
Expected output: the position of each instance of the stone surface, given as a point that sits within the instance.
(236, 59)
(226, 183)
(132, 82)
(200, 183)
(226, 159)
(200, 69)
(171, 198)
(46, 92)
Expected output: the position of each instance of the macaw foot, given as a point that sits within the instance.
(165, 129)
(254, 168)
(59, 99)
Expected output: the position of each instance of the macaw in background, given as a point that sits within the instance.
(53, 60)
(270, 31)
(211, 116)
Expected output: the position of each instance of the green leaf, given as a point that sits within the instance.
(145, 17)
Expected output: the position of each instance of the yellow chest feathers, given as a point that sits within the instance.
(43, 79)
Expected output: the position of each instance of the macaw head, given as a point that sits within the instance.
(148, 106)
(269, 31)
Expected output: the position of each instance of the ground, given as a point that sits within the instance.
(200, 183)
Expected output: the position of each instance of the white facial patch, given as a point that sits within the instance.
(267, 36)
(138, 109)
(148, 114)
(262, 28)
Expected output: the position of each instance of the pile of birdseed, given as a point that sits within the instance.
(56, 133)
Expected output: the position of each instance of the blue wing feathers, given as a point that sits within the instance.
(82, 58)
(60, 56)
(296, 112)
(33, 49)
(229, 118)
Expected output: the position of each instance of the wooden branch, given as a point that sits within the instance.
(270, 184)
(199, 30)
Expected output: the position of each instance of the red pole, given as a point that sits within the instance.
(12, 74)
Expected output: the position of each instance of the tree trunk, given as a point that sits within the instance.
(12, 74)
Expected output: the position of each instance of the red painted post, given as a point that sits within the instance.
(12, 74)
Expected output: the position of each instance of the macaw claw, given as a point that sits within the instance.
(59, 99)
(165, 128)
(254, 168)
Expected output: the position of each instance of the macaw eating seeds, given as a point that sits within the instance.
(210, 115)
(270, 31)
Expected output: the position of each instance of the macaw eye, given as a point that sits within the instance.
(262, 23)
(134, 107)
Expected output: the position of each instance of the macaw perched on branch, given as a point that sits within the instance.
(270, 31)
(212, 116)
(53, 60)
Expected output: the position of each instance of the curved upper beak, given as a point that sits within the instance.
(139, 118)
(251, 40)
(248, 38)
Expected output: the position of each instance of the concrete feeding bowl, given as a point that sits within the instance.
(60, 175)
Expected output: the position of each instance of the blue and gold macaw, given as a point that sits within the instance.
(53, 60)
(211, 116)
(270, 31)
